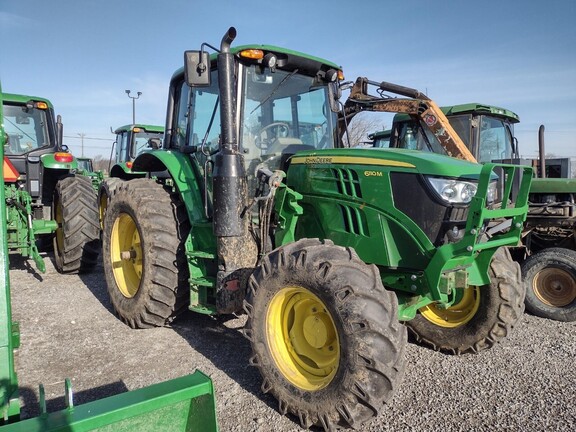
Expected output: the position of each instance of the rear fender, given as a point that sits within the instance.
(186, 177)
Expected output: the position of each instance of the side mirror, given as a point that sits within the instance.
(334, 95)
(197, 68)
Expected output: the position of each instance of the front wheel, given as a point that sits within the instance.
(483, 315)
(325, 334)
(77, 238)
(550, 280)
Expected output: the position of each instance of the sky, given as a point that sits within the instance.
(84, 54)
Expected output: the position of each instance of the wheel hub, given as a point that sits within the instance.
(302, 338)
(126, 255)
(554, 287)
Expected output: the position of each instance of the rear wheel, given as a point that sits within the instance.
(77, 238)
(144, 258)
(324, 334)
(482, 317)
(550, 280)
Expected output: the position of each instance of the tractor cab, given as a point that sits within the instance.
(283, 109)
(132, 140)
(33, 145)
(487, 131)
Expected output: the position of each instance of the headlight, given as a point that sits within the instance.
(492, 192)
(454, 191)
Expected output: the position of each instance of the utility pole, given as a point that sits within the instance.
(82, 135)
(133, 104)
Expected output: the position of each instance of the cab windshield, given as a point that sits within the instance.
(412, 135)
(495, 139)
(146, 141)
(284, 112)
(26, 129)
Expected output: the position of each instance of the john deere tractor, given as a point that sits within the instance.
(548, 253)
(44, 194)
(131, 140)
(251, 206)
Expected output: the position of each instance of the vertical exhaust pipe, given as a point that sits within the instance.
(237, 250)
(59, 132)
(229, 175)
(542, 152)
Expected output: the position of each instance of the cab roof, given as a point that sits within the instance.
(20, 99)
(147, 128)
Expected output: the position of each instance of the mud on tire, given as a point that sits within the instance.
(325, 334)
(144, 259)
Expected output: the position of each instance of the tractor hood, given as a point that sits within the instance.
(370, 161)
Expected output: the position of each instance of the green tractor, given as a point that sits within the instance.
(253, 207)
(86, 168)
(182, 404)
(548, 252)
(131, 140)
(44, 195)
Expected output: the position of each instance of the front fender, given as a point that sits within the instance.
(187, 179)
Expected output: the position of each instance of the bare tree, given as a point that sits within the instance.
(361, 126)
(100, 163)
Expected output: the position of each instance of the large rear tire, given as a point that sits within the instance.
(484, 316)
(550, 280)
(325, 334)
(143, 252)
(77, 238)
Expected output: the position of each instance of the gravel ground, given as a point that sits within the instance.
(528, 382)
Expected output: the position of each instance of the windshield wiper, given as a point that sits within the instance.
(274, 91)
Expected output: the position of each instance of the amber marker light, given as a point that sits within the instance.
(41, 105)
(136, 130)
(254, 54)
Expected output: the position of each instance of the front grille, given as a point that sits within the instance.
(347, 182)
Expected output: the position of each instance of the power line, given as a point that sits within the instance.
(89, 138)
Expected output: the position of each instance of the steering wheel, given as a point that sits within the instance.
(283, 129)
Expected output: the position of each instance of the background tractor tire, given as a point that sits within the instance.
(550, 280)
(105, 193)
(77, 239)
(325, 334)
(143, 253)
(484, 317)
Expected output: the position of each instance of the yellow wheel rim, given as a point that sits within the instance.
(554, 287)
(103, 205)
(456, 315)
(303, 339)
(126, 255)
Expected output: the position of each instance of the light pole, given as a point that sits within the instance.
(82, 135)
(133, 104)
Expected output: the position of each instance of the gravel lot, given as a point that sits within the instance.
(528, 382)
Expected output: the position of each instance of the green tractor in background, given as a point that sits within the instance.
(252, 206)
(131, 140)
(86, 168)
(182, 404)
(548, 255)
(44, 195)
